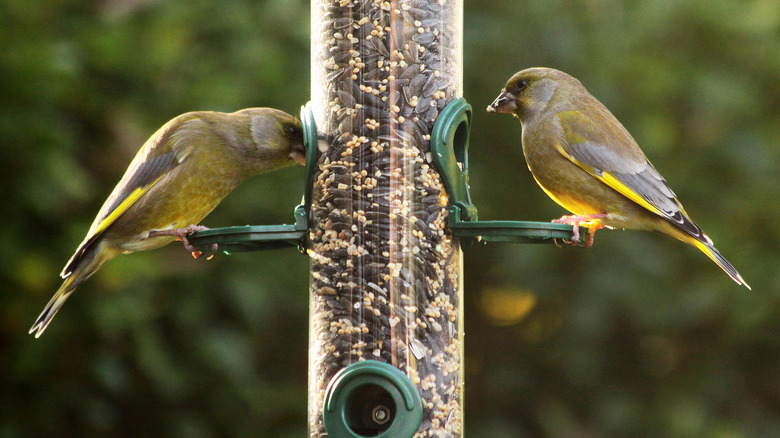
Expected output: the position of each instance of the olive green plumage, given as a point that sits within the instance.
(586, 161)
(177, 178)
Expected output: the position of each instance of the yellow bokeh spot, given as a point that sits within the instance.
(507, 306)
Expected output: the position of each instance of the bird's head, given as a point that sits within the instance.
(276, 136)
(532, 90)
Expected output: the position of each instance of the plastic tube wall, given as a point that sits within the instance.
(386, 280)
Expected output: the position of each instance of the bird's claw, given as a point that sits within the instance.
(181, 234)
(195, 253)
(589, 221)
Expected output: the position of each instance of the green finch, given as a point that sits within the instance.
(587, 162)
(180, 174)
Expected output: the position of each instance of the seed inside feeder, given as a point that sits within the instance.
(385, 270)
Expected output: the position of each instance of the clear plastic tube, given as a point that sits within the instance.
(386, 280)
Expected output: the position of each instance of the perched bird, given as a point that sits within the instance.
(587, 162)
(180, 174)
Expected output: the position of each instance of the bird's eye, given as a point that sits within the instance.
(520, 85)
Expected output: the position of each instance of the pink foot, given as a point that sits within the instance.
(181, 234)
(590, 221)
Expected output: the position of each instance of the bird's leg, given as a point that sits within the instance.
(590, 221)
(181, 234)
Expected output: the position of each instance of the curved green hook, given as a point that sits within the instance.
(449, 148)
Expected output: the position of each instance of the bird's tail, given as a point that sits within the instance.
(704, 243)
(88, 263)
(54, 305)
(716, 257)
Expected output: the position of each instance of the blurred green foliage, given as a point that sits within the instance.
(638, 336)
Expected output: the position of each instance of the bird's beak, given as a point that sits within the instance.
(298, 154)
(504, 103)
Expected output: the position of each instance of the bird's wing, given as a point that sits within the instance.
(162, 153)
(614, 158)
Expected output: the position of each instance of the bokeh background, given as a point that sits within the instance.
(639, 336)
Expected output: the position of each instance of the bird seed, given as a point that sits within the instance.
(385, 278)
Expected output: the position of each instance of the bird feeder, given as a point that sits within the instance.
(386, 212)
(386, 278)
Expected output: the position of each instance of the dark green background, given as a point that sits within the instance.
(638, 336)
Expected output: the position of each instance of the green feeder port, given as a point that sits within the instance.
(312, 153)
(371, 399)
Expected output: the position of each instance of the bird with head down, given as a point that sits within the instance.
(177, 178)
(587, 162)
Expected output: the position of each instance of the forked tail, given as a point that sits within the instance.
(54, 305)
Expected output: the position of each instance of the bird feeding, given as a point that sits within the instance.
(177, 178)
